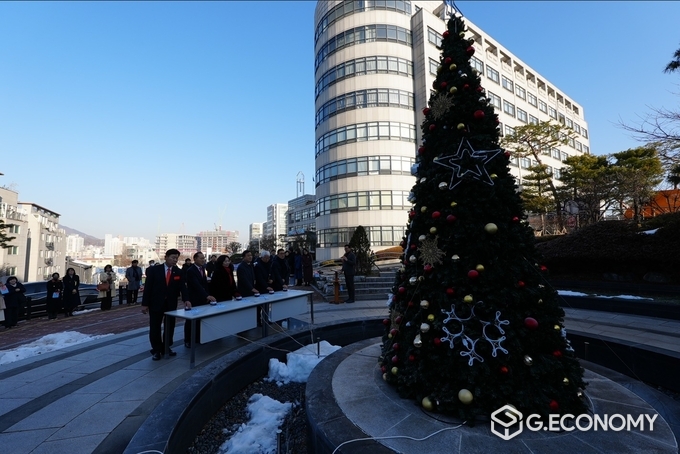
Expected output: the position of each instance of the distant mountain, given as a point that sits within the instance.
(89, 239)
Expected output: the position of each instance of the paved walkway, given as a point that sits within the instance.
(93, 397)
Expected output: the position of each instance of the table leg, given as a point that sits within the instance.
(192, 363)
(166, 337)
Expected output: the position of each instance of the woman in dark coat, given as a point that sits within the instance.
(222, 285)
(13, 299)
(55, 289)
(306, 267)
(71, 294)
(298, 267)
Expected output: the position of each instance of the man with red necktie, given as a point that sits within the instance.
(198, 294)
(164, 284)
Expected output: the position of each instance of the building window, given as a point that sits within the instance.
(386, 235)
(508, 108)
(532, 99)
(533, 120)
(509, 131)
(363, 34)
(571, 143)
(521, 115)
(520, 92)
(570, 124)
(365, 165)
(363, 201)
(494, 100)
(363, 99)
(477, 64)
(362, 66)
(584, 132)
(557, 173)
(434, 66)
(586, 150)
(579, 146)
(433, 37)
(525, 163)
(556, 153)
(13, 250)
(563, 156)
(577, 128)
(12, 228)
(507, 84)
(492, 74)
(542, 106)
(552, 112)
(383, 130)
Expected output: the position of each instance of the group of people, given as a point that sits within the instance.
(63, 294)
(11, 298)
(203, 282)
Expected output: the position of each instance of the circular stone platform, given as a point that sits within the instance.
(347, 399)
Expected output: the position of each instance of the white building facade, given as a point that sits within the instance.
(375, 63)
(187, 245)
(276, 221)
(255, 231)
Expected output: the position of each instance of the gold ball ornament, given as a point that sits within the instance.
(540, 301)
(427, 404)
(423, 180)
(423, 209)
(385, 376)
(557, 327)
(452, 66)
(461, 34)
(579, 393)
(417, 342)
(395, 370)
(422, 238)
(455, 257)
(433, 230)
(480, 268)
(468, 299)
(493, 176)
(565, 381)
(421, 278)
(528, 361)
(402, 269)
(491, 228)
(465, 396)
(424, 327)
(453, 90)
(430, 318)
(443, 185)
(453, 204)
(424, 304)
(460, 126)
(413, 280)
(412, 259)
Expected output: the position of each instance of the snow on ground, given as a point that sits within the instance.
(45, 344)
(266, 414)
(623, 297)
(299, 363)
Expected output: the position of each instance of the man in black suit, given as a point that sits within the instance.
(198, 293)
(245, 275)
(164, 284)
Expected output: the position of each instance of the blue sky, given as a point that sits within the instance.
(137, 118)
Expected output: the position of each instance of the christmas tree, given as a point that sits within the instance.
(473, 323)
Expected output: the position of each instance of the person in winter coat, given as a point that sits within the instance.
(306, 267)
(13, 300)
(109, 277)
(55, 289)
(71, 293)
(222, 284)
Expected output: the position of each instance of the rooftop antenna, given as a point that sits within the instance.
(300, 183)
(451, 8)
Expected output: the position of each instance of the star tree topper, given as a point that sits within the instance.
(476, 161)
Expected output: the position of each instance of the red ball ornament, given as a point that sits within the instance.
(411, 214)
(445, 34)
(383, 369)
(450, 291)
(410, 304)
(520, 284)
(428, 268)
(411, 358)
(426, 111)
(398, 320)
(504, 370)
(480, 89)
(386, 321)
(557, 354)
(470, 51)
(442, 85)
(405, 262)
(436, 214)
(447, 61)
(554, 406)
(479, 114)
(432, 127)
(544, 268)
(402, 290)
(421, 150)
(395, 359)
(394, 332)
(413, 247)
(395, 346)
(515, 219)
(473, 274)
(530, 323)
(450, 219)
(437, 341)
(466, 86)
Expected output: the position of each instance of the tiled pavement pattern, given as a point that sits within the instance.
(91, 398)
